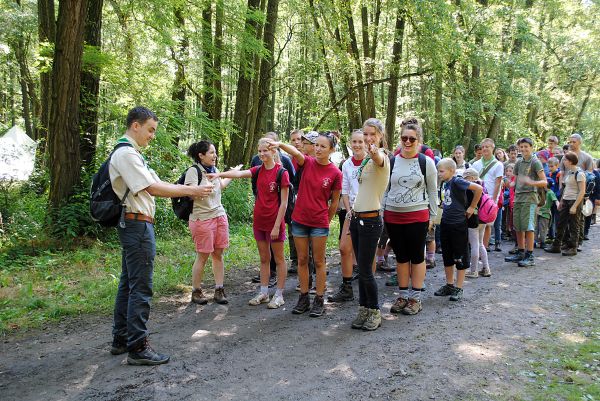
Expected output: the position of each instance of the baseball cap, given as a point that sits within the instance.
(311, 136)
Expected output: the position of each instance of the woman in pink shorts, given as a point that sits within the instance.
(269, 219)
(208, 222)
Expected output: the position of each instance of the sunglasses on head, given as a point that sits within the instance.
(411, 139)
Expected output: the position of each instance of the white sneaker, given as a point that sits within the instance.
(259, 299)
(470, 274)
(276, 302)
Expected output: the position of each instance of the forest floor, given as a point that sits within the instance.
(524, 333)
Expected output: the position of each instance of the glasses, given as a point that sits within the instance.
(411, 139)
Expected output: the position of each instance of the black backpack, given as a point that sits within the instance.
(105, 206)
(183, 205)
(291, 194)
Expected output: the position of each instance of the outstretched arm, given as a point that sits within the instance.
(289, 149)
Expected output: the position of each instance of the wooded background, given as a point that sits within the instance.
(230, 70)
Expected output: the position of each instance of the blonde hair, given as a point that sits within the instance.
(448, 163)
(265, 142)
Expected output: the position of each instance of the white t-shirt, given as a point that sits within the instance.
(489, 180)
(349, 181)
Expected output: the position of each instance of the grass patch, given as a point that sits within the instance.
(51, 284)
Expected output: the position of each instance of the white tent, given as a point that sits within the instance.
(17, 155)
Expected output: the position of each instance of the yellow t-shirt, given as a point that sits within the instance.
(372, 185)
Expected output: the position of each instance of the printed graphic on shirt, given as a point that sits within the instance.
(410, 186)
(326, 182)
(272, 186)
(447, 197)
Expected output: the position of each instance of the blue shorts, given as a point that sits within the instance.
(302, 231)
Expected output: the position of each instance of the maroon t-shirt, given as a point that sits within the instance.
(266, 205)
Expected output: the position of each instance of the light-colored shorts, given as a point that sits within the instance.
(261, 235)
(210, 234)
(524, 216)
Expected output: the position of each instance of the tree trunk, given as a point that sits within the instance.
(216, 110)
(236, 149)
(207, 59)
(46, 34)
(586, 100)
(369, 51)
(392, 104)
(438, 110)
(90, 86)
(63, 132)
(179, 91)
(353, 50)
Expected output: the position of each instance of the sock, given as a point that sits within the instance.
(450, 284)
(346, 280)
(279, 292)
(264, 290)
(415, 293)
(521, 250)
(218, 285)
(404, 292)
(430, 255)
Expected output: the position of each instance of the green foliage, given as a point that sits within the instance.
(238, 201)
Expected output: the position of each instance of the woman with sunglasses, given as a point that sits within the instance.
(366, 224)
(321, 181)
(410, 203)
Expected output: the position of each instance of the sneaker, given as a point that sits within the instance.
(552, 249)
(398, 305)
(527, 261)
(445, 290)
(383, 266)
(569, 252)
(361, 318)
(272, 281)
(293, 269)
(513, 251)
(198, 297)
(276, 302)
(471, 274)
(497, 248)
(256, 279)
(145, 355)
(413, 307)
(586, 238)
(318, 306)
(485, 272)
(303, 304)
(373, 320)
(457, 294)
(516, 258)
(259, 299)
(345, 293)
(392, 281)
(312, 290)
(220, 296)
(430, 264)
(119, 346)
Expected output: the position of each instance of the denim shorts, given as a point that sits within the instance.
(300, 230)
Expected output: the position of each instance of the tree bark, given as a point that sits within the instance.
(46, 34)
(179, 91)
(215, 112)
(584, 104)
(392, 104)
(90, 86)
(207, 59)
(63, 132)
(353, 50)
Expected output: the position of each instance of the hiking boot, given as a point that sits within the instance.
(303, 304)
(145, 355)
(497, 248)
(272, 281)
(513, 251)
(318, 306)
(457, 294)
(345, 293)
(354, 272)
(119, 346)
(293, 269)
(392, 281)
(569, 252)
(527, 261)
(552, 248)
(398, 305)
(516, 258)
(373, 320)
(276, 302)
(259, 299)
(471, 274)
(256, 279)
(361, 318)
(383, 266)
(220, 296)
(429, 264)
(413, 307)
(445, 290)
(198, 297)
(485, 272)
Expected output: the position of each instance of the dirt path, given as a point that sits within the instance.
(471, 350)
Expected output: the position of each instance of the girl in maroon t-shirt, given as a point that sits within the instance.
(321, 182)
(269, 219)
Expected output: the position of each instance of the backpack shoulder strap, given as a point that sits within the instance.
(199, 173)
(423, 166)
(392, 157)
(254, 180)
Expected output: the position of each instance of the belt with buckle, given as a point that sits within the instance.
(364, 215)
(139, 217)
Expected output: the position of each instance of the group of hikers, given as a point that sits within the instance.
(411, 201)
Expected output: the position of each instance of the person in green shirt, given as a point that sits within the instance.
(529, 174)
(544, 215)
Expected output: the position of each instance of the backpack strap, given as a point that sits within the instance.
(488, 168)
(199, 173)
(392, 162)
(423, 166)
(254, 181)
(278, 181)
(122, 202)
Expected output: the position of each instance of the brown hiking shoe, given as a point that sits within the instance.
(413, 307)
(399, 305)
(220, 296)
(361, 318)
(303, 304)
(198, 297)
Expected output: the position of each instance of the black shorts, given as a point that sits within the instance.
(455, 245)
(408, 241)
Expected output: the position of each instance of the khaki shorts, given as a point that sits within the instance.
(524, 215)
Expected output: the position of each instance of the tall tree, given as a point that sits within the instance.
(178, 94)
(392, 104)
(47, 35)
(63, 131)
(90, 84)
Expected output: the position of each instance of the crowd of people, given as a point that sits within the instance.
(411, 201)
